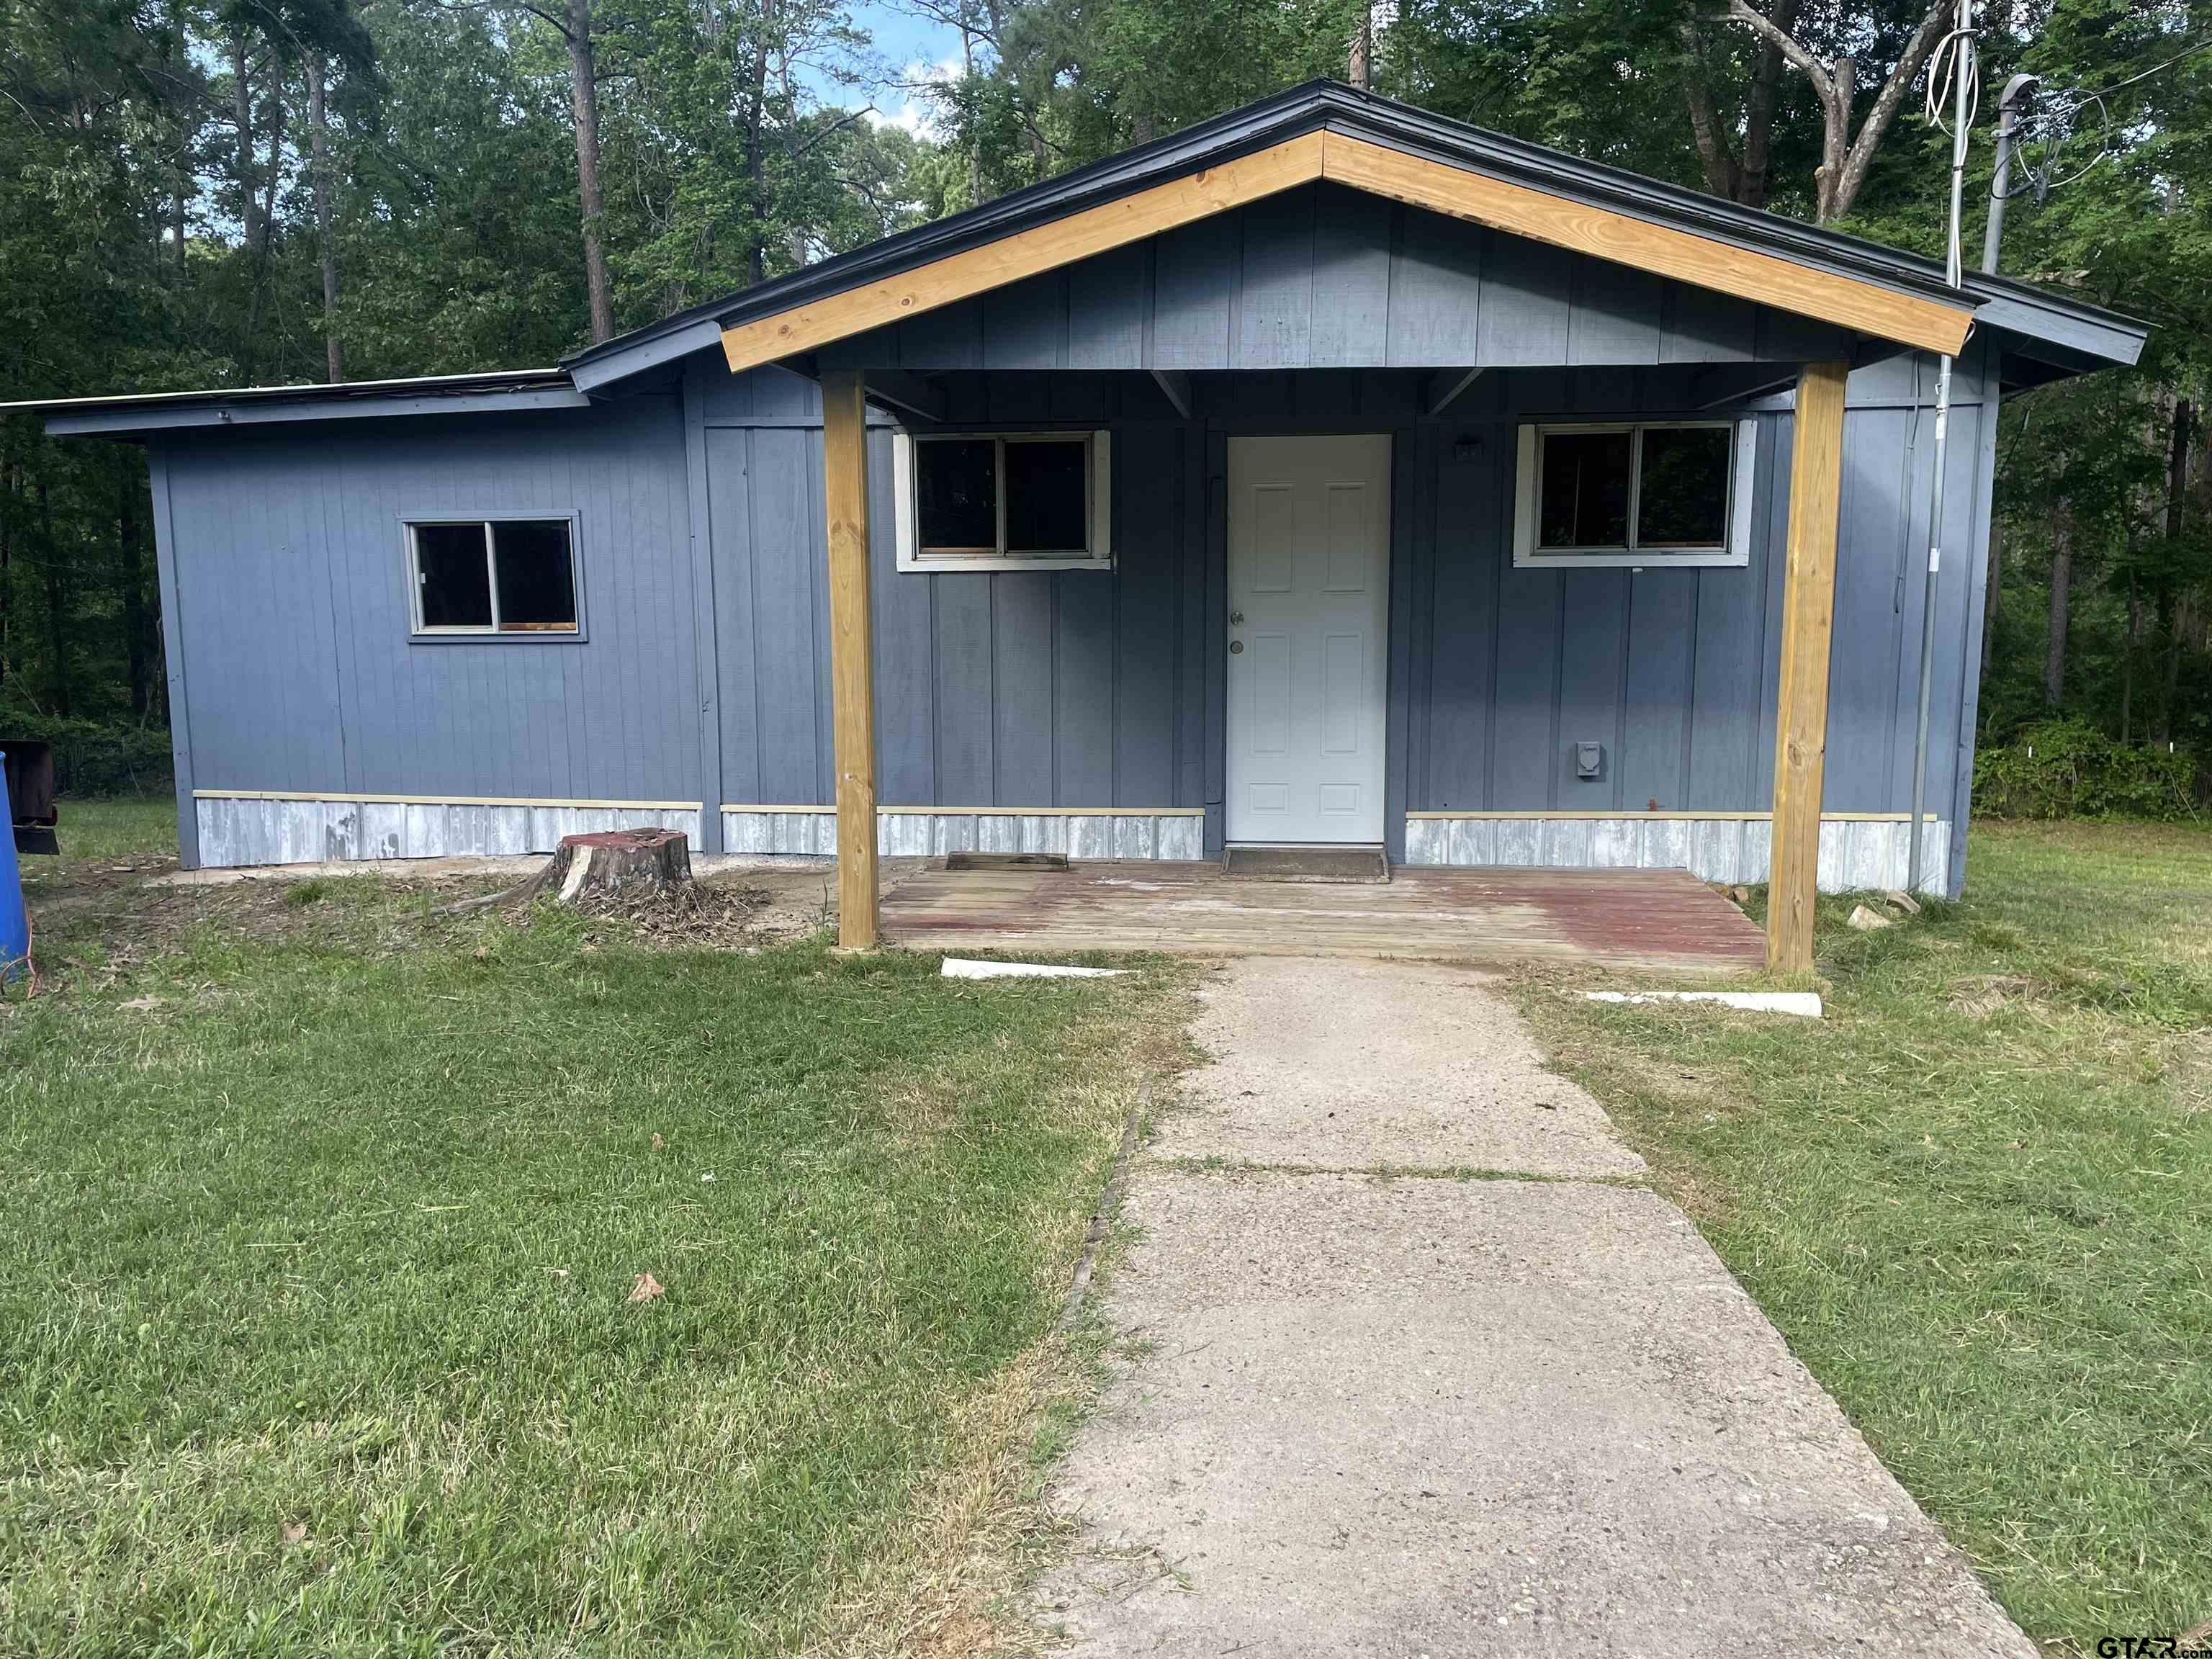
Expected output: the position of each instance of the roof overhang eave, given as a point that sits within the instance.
(133, 416)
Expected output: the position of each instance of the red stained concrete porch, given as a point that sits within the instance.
(1656, 920)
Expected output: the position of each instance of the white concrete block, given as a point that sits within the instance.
(960, 968)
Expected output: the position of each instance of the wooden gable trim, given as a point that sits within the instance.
(1600, 233)
(1886, 312)
(1024, 253)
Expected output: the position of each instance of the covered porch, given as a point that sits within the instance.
(1658, 921)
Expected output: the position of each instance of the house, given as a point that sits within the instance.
(1329, 473)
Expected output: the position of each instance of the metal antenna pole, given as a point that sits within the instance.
(1963, 78)
(2001, 182)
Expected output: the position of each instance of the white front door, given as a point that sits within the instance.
(1308, 626)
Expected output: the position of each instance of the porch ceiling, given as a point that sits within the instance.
(1318, 399)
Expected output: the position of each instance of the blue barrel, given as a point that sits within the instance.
(15, 922)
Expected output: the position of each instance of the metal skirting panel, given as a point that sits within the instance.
(237, 831)
(933, 835)
(1855, 853)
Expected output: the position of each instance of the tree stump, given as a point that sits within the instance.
(616, 864)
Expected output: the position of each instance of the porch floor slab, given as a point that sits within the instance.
(1662, 921)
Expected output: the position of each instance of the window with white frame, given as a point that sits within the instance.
(498, 575)
(1013, 500)
(1634, 493)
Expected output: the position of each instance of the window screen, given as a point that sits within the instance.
(1046, 501)
(537, 575)
(1682, 487)
(494, 577)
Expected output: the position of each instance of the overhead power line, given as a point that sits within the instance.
(2052, 126)
(2086, 95)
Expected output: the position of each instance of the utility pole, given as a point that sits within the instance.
(1962, 76)
(2009, 108)
(2015, 91)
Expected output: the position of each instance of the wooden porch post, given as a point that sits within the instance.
(851, 653)
(1808, 614)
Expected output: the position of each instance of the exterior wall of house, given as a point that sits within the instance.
(1673, 671)
(285, 591)
(1026, 691)
(1075, 710)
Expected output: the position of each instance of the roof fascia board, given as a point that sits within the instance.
(2104, 333)
(1326, 104)
(498, 379)
(591, 372)
(994, 262)
(2073, 328)
(122, 421)
(1646, 243)
(1403, 127)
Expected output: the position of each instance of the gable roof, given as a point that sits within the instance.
(1325, 129)
(1321, 130)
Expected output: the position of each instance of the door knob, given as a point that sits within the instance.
(1235, 648)
(1236, 616)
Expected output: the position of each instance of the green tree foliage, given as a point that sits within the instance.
(173, 214)
(160, 229)
(2104, 498)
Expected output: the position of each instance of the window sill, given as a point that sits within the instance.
(1716, 559)
(996, 562)
(494, 636)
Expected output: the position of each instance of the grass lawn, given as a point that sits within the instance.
(324, 1216)
(1978, 1201)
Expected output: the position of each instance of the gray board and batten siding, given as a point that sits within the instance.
(285, 584)
(703, 675)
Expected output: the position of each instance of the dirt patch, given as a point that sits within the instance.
(693, 917)
(788, 903)
(98, 925)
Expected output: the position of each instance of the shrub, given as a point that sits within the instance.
(95, 757)
(2068, 768)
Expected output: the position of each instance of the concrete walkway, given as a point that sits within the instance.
(1405, 1413)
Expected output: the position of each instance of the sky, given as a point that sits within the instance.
(912, 49)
